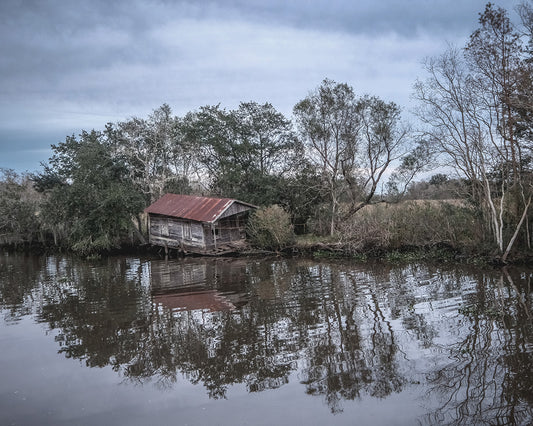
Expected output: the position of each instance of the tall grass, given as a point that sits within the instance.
(415, 224)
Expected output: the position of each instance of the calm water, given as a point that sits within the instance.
(135, 341)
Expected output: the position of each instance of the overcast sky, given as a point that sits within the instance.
(68, 65)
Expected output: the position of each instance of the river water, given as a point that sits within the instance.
(138, 341)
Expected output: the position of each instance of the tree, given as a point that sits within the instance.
(90, 199)
(420, 159)
(383, 140)
(244, 153)
(467, 103)
(270, 136)
(449, 108)
(494, 54)
(301, 195)
(351, 141)
(19, 207)
(153, 152)
(329, 125)
(521, 103)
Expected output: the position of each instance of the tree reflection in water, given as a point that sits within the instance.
(489, 379)
(343, 331)
(355, 349)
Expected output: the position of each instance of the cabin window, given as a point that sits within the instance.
(164, 228)
(197, 232)
(186, 231)
(154, 229)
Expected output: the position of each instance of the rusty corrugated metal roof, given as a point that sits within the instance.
(200, 209)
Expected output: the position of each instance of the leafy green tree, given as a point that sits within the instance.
(89, 196)
(302, 196)
(270, 137)
(244, 153)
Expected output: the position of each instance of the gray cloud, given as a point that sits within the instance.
(368, 17)
(75, 65)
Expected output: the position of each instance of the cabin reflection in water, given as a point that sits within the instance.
(194, 284)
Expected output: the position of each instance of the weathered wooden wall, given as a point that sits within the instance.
(176, 233)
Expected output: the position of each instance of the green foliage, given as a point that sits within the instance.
(438, 179)
(442, 254)
(300, 195)
(245, 153)
(270, 228)
(325, 254)
(19, 204)
(93, 203)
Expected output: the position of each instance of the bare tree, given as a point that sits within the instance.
(467, 104)
(351, 141)
(329, 123)
(154, 151)
(382, 140)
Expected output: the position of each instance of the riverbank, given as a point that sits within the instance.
(442, 252)
(317, 247)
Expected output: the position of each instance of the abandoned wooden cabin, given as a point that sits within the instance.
(203, 225)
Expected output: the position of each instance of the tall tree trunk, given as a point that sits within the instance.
(333, 214)
(511, 242)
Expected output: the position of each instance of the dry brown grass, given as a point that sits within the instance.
(413, 223)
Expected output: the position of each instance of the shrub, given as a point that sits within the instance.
(270, 228)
